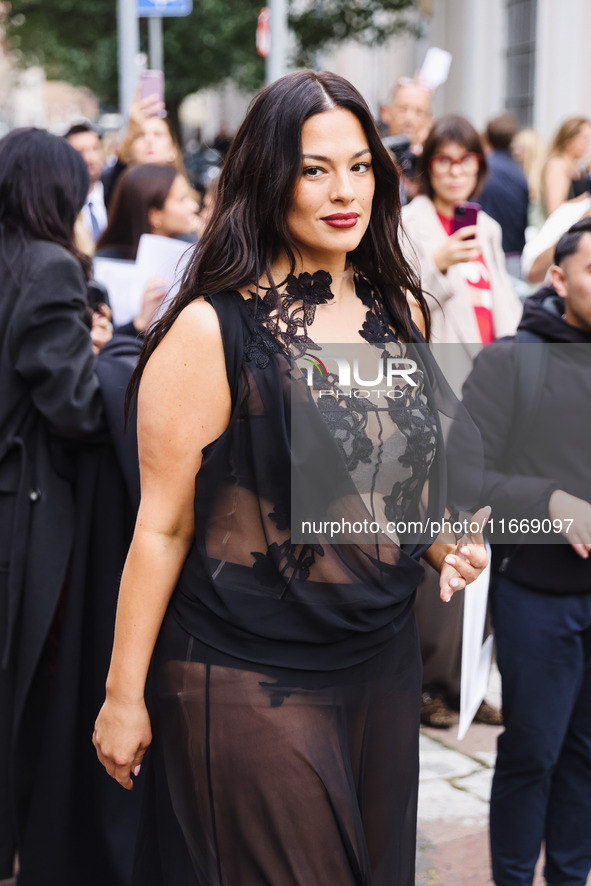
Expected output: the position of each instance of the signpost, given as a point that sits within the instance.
(154, 11)
(277, 49)
(128, 48)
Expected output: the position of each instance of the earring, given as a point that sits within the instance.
(171, 158)
(157, 224)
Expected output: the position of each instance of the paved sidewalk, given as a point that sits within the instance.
(455, 782)
(452, 848)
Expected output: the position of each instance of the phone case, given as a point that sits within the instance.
(152, 83)
(465, 214)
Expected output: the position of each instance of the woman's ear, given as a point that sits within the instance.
(155, 218)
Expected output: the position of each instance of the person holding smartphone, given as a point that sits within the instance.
(149, 137)
(456, 248)
(462, 265)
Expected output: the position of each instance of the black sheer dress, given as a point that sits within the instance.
(288, 675)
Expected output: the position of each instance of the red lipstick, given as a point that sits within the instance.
(341, 219)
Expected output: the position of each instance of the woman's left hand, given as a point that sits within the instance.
(464, 563)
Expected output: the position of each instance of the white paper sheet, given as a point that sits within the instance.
(435, 67)
(162, 257)
(476, 655)
(120, 279)
(126, 281)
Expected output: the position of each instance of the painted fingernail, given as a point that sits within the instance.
(465, 550)
(136, 771)
(445, 597)
(451, 561)
(454, 582)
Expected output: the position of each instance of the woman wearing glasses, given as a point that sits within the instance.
(463, 273)
(471, 301)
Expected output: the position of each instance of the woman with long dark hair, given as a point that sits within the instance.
(51, 410)
(287, 674)
(148, 199)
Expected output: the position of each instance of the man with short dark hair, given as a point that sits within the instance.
(531, 403)
(84, 138)
(505, 195)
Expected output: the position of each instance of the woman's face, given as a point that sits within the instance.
(177, 216)
(331, 204)
(155, 144)
(453, 173)
(579, 144)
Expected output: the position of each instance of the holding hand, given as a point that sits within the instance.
(459, 247)
(101, 330)
(141, 109)
(463, 564)
(151, 300)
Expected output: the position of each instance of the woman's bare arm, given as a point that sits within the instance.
(556, 184)
(183, 404)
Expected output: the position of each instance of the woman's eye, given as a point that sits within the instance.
(312, 171)
(361, 167)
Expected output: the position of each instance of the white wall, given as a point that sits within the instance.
(563, 63)
(473, 31)
(373, 70)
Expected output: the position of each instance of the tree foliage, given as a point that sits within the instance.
(76, 40)
(321, 24)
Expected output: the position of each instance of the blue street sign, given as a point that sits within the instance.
(161, 8)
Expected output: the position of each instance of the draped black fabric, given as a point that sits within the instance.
(246, 588)
(288, 674)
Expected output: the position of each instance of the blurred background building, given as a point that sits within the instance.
(529, 57)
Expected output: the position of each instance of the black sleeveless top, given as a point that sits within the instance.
(247, 590)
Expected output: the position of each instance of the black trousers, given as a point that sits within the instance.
(542, 784)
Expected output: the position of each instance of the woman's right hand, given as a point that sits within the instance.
(141, 109)
(457, 248)
(151, 300)
(122, 734)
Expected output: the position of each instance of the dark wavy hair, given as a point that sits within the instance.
(450, 128)
(43, 186)
(248, 229)
(138, 190)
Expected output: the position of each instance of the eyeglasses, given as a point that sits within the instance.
(469, 164)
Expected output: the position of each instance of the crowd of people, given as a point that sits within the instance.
(264, 695)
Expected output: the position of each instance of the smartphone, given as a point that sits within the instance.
(152, 83)
(465, 214)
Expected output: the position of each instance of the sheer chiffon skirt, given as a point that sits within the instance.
(282, 777)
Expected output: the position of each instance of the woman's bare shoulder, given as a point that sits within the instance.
(184, 393)
(191, 349)
(198, 318)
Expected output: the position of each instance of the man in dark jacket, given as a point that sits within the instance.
(505, 195)
(541, 593)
